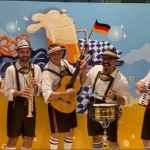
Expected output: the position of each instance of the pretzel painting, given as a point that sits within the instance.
(23, 36)
(8, 47)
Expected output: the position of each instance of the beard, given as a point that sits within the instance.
(25, 59)
(106, 66)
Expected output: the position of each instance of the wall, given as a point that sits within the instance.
(131, 40)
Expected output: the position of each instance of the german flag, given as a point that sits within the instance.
(101, 28)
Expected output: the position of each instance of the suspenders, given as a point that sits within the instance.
(17, 76)
(58, 74)
(110, 83)
(18, 82)
(50, 70)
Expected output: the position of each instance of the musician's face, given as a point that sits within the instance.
(56, 57)
(24, 55)
(108, 63)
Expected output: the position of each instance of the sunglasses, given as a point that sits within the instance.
(108, 58)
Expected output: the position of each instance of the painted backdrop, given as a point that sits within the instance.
(122, 27)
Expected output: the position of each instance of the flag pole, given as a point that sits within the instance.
(90, 33)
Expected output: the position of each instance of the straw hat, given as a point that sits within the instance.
(111, 53)
(54, 48)
(23, 44)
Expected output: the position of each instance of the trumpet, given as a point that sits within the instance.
(30, 98)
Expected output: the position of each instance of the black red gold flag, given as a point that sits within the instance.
(101, 27)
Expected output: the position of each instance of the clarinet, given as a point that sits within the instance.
(30, 99)
(145, 97)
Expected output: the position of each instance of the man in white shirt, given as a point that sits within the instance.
(22, 83)
(143, 87)
(54, 71)
(110, 86)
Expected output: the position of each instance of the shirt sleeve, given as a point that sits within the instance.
(123, 90)
(46, 86)
(9, 85)
(90, 77)
(87, 81)
(146, 77)
(38, 76)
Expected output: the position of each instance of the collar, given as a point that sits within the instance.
(114, 73)
(18, 66)
(55, 67)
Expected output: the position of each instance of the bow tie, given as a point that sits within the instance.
(24, 70)
(105, 77)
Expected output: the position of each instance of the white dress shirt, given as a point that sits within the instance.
(120, 84)
(11, 84)
(146, 78)
(50, 81)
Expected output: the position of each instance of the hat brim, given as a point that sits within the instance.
(55, 50)
(110, 54)
(22, 47)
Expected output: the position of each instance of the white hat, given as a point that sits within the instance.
(109, 52)
(54, 48)
(24, 44)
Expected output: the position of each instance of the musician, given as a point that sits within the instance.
(18, 92)
(54, 71)
(106, 80)
(145, 134)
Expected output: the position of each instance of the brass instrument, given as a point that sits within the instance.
(30, 98)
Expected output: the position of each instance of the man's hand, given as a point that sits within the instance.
(70, 91)
(141, 86)
(83, 66)
(34, 83)
(118, 99)
(111, 94)
(25, 93)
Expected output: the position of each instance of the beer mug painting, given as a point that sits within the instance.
(59, 29)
